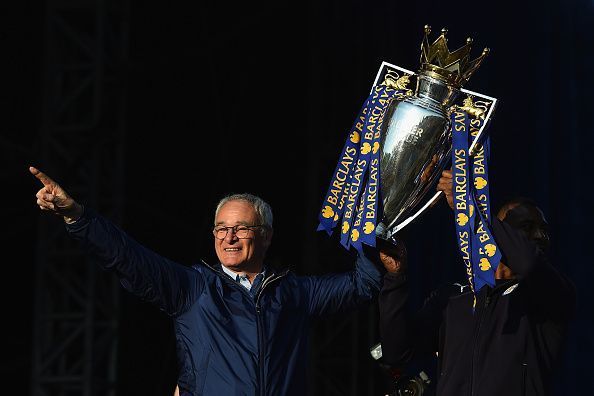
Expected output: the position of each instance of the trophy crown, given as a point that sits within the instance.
(455, 68)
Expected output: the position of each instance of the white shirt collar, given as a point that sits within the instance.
(240, 277)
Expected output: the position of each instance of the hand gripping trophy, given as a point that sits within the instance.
(401, 141)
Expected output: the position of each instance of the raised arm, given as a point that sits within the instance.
(395, 319)
(170, 286)
(405, 334)
(548, 289)
(341, 292)
(518, 230)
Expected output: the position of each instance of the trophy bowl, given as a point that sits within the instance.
(415, 148)
(409, 133)
(416, 135)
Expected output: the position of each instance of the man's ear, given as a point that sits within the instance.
(268, 237)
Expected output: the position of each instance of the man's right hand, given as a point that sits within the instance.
(445, 184)
(393, 257)
(52, 198)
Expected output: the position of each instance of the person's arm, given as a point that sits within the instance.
(395, 321)
(405, 334)
(153, 278)
(547, 288)
(341, 292)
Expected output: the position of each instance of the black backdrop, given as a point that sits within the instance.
(258, 97)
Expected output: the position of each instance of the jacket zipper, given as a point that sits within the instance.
(228, 279)
(474, 344)
(259, 329)
(259, 319)
(493, 292)
(266, 282)
(524, 373)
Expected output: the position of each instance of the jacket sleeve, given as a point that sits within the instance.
(406, 335)
(169, 285)
(547, 289)
(336, 293)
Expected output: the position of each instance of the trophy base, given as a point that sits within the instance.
(385, 235)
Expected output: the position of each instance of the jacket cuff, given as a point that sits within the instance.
(393, 280)
(81, 222)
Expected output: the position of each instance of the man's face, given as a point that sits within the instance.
(241, 254)
(529, 219)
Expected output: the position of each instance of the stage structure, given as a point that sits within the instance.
(81, 144)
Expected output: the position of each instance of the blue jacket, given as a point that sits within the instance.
(230, 341)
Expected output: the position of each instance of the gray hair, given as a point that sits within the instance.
(263, 209)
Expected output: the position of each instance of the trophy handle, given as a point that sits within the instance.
(479, 135)
(471, 149)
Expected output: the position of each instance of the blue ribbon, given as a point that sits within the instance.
(371, 210)
(353, 195)
(461, 191)
(476, 244)
(334, 201)
(485, 253)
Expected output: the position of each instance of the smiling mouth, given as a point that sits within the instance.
(232, 249)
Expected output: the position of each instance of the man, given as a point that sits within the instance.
(511, 343)
(241, 326)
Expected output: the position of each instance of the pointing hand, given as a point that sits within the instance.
(52, 198)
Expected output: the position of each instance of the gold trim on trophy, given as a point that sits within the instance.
(397, 82)
(471, 108)
(454, 68)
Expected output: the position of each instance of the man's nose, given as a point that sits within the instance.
(230, 237)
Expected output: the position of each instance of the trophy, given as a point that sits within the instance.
(415, 135)
(410, 135)
(398, 146)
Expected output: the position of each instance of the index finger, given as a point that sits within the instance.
(42, 177)
(447, 173)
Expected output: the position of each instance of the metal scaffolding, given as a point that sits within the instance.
(81, 144)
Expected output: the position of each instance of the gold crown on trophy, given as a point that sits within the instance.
(455, 68)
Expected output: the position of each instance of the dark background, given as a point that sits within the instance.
(258, 97)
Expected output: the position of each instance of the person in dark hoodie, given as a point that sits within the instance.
(511, 344)
(241, 326)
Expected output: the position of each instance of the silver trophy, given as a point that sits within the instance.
(415, 134)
